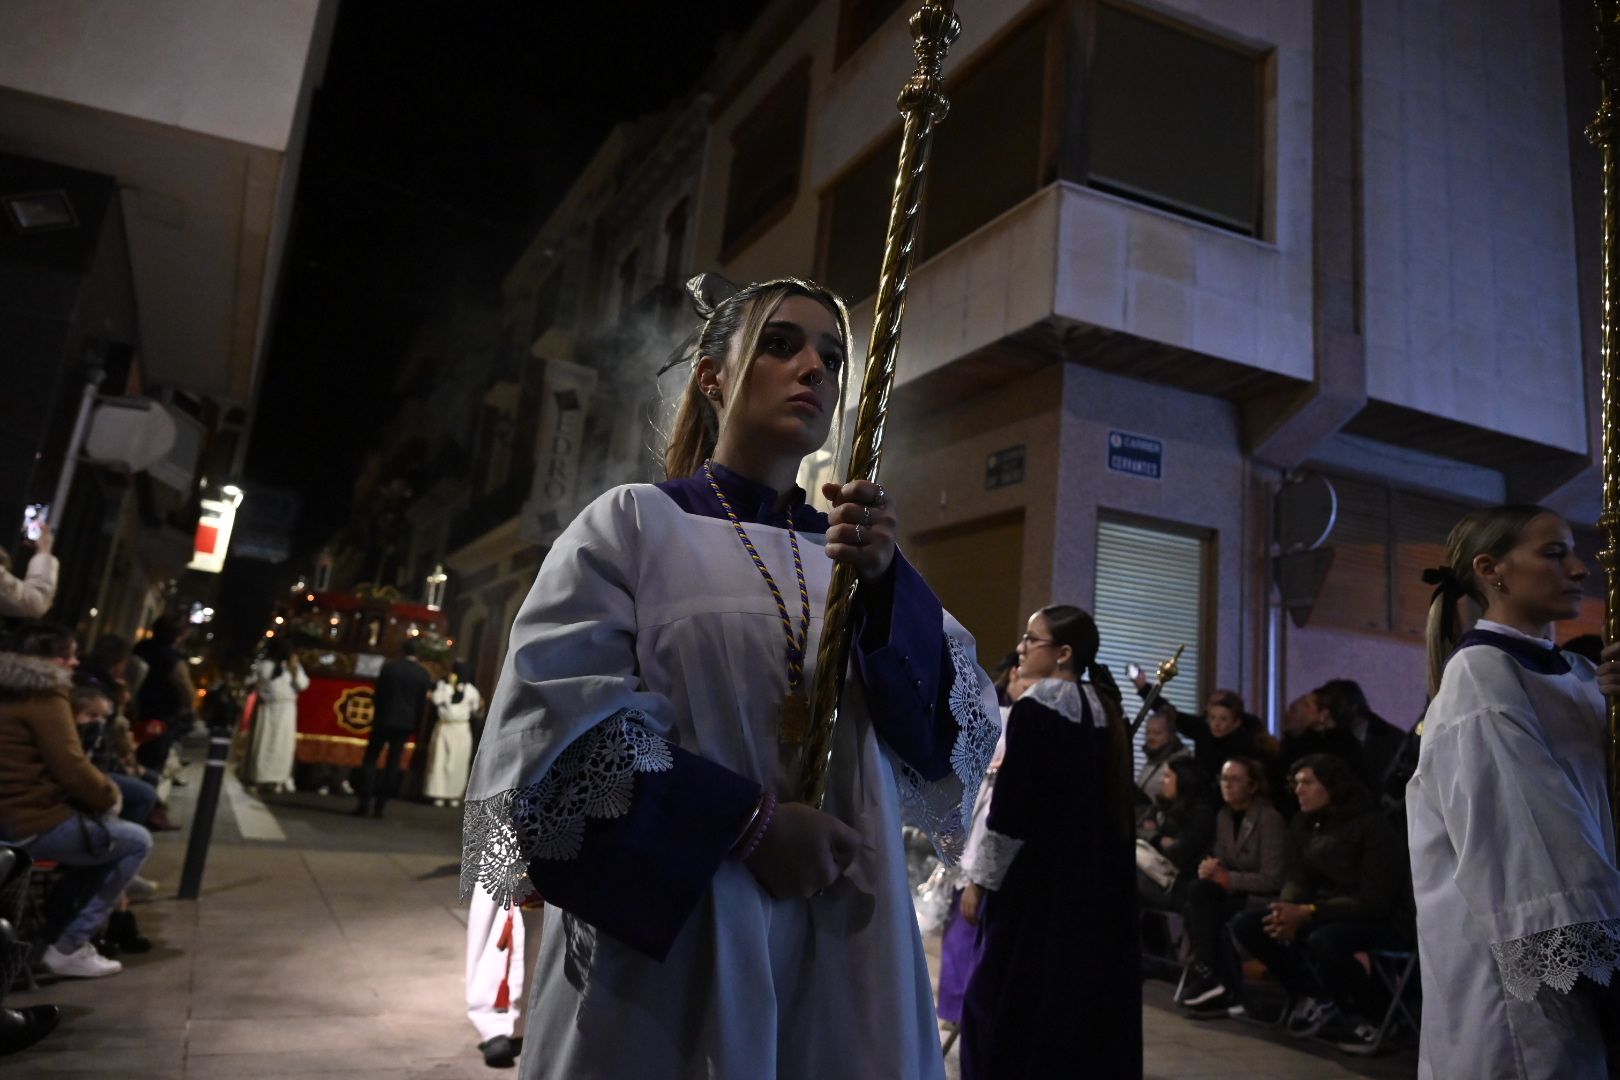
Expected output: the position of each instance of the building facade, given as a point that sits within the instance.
(1174, 256)
(1223, 312)
(148, 159)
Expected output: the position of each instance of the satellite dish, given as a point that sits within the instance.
(1306, 510)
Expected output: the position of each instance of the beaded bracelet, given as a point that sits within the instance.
(762, 822)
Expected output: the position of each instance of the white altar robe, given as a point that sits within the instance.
(641, 605)
(1512, 866)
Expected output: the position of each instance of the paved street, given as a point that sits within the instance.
(328, 945)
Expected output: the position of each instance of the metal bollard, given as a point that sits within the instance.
(202, 821)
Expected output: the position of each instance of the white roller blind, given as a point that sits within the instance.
(1150, 599)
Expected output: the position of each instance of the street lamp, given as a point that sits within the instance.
(435, 587)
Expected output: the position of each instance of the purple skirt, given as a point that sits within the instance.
(958, 956)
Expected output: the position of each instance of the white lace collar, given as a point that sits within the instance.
(1063, 697)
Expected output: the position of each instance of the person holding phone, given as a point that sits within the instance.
(30, 596)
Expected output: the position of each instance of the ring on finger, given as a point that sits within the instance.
(882, 497)
(866, 515)
(860, 537)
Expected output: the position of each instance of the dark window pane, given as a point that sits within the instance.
(857, 212)
(766, 150)
(1172, 118)
(986, 154)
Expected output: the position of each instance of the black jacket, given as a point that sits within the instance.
(402, 691)
(1349, 862)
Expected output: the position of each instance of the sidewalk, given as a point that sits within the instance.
(337, 949)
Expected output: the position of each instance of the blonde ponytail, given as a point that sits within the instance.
(1492, 532)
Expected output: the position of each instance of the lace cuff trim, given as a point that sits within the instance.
(1558, 957)
(992, 857)
(593, 778)
(937, 808)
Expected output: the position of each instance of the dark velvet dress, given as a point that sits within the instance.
(1058, 990)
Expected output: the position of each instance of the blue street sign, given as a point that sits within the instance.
(1135, 454)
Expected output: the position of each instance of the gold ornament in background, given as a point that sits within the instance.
(355, 709)
(1602, 133)
(922, 104)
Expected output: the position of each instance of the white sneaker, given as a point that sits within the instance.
(85, 963)
(438, 802)
(140, 888)
(455, 802)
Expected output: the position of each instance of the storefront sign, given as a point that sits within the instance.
(1135, 454)
(213, 535)
(568, 388)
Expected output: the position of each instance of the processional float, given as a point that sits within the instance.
(922, 105)
(1603, 131)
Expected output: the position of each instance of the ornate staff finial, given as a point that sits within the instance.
(922, 104)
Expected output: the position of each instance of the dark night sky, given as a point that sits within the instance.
(439, 140)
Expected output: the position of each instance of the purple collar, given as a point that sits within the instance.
(754, 502)
(1529, 655)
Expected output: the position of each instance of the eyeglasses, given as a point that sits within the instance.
(1032, 641)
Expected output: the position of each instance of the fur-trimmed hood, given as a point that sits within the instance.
(31, 676)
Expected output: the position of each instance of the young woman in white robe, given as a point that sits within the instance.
(280, 679)
(633, 768)
(457, 701)
(1512, 844)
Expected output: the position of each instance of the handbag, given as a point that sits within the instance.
(1152, 862)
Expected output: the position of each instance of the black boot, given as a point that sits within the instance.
(122, 932)
(22, 1028)
(498, 1052)
(363, 810)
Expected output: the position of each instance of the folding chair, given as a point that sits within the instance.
(1395, 968)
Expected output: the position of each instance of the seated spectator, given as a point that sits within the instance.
(29, 596)
(54, 802)
(1249, 861)
(1224, 731)
(108, 668)
(1346, 892)
(1310, 729)
(1180, 827)
(1380, 741)
(1160, 745)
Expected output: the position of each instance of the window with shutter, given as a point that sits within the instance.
(1152, 587)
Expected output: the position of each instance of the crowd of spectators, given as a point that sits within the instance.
(78, 805)
(1289, 853)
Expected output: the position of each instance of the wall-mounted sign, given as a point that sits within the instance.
(213, 535)
(1135, 454)
(1004, 467)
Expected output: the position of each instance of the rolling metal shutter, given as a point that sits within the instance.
(1149, 599)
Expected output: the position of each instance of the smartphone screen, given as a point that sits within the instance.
(34, 516)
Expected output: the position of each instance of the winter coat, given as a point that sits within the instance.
(1190, 822)
(44, 773)
(1255, 853)
(29, 596)
(1349, 862)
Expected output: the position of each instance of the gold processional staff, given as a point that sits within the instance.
(922, 104)
(1602, 132)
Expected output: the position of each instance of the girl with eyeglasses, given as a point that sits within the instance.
(1057, 990)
